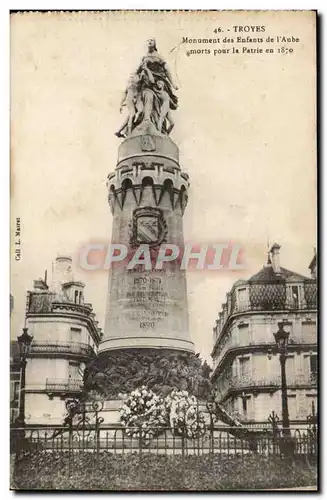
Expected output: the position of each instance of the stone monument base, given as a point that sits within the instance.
(166, 343)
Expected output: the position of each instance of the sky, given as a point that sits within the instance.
(245, 128)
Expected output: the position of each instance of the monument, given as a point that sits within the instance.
(146, 336)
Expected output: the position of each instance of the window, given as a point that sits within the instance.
(290, 368)
(244, 366)
(81, 369)
(14, 414)
(80, 298)
(74, 371)
(309, 331)
(76, 297)
(313, 367)
(244, 405)
(16, 390)
(295, 296)
(229, 371)
(75, 334)
(311, 404)
(243, 334)
(241, 294)
(292, 407)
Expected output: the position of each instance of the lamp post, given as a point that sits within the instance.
(281, 339)
(24, 343)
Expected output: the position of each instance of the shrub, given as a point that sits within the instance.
(82, 471)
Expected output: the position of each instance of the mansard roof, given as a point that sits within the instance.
(267, 274)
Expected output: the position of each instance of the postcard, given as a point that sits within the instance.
(163, 250)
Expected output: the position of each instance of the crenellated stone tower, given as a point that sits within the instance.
(147, 197)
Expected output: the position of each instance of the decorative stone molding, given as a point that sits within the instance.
(161, 177)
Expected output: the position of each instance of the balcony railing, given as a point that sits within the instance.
(238, 382)
(287, 305)
(61, 347)
(57, 385)
(47, 302)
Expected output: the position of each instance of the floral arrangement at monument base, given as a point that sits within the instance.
(185, 417)
(144, 414)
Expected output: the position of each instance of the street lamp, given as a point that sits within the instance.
(281, 339)
(24, 343)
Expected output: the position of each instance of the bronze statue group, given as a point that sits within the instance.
(149, 95)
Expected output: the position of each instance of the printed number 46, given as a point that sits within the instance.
(217, 30)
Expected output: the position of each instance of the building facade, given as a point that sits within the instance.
(14, 374)
(65, 338)
(246, 368)
(14, 381)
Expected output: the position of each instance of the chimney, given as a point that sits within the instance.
(274, 252)
(40, 285)
(61, 273)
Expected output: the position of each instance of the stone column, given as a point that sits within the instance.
(147, 197)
